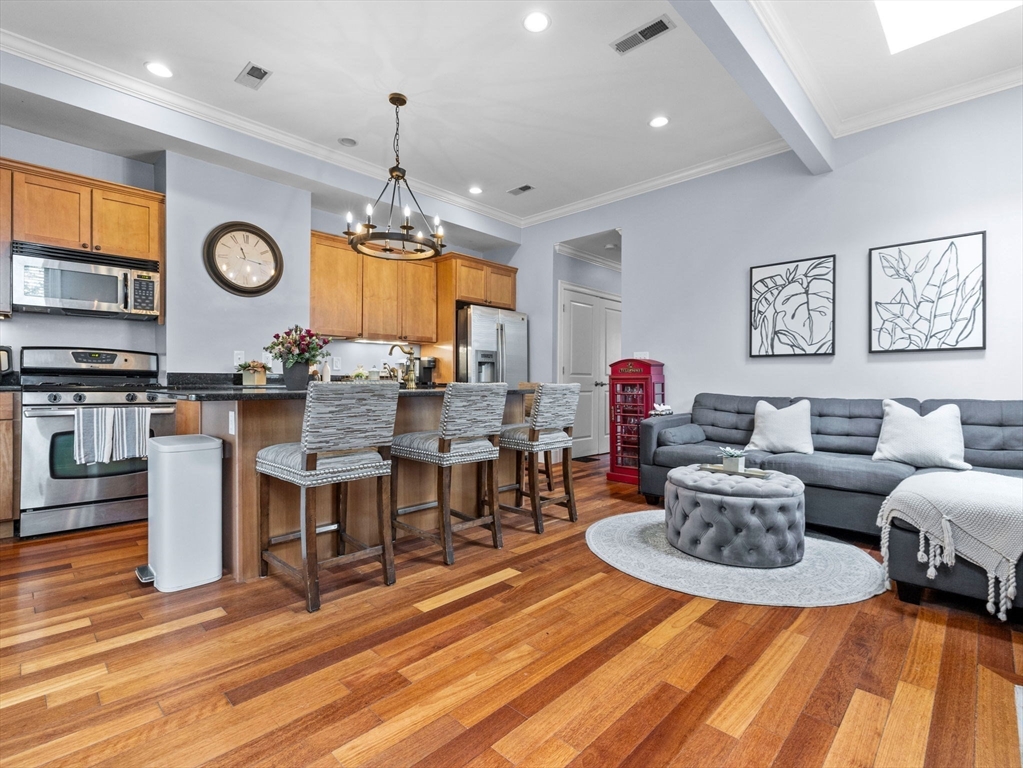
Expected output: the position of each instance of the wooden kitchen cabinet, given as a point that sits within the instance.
(480, 282)
(6, 456)
(418, 300)
(381, 316)
(6, 206)
(127, 225)
(335, 287)
(52, 211)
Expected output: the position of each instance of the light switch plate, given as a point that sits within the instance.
(268, 359)
(335, 365)
(230, 423)
(239, 356)
(643, 355)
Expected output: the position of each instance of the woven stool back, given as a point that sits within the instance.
(344, 416)
(472, 410)
(554, 406)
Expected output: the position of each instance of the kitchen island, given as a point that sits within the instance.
(248, 419)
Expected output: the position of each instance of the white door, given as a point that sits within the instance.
(591, 339)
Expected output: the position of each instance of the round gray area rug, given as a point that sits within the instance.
(831, 572)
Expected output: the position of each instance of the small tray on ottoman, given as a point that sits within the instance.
(744, 473)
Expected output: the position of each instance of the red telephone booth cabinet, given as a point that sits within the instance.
(636, 385)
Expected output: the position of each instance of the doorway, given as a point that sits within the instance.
(589, 340)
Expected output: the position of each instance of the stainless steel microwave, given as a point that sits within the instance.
(65, 282)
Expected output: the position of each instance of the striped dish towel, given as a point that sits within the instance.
(131, 433)
(94, 430)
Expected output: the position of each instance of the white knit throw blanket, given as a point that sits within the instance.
(975, 515)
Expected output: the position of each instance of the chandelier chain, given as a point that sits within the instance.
(397, 125)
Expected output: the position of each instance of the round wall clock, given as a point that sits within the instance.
(243, 259)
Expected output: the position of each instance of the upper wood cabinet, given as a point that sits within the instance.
(335, 287)
(6, 178)
(381, 316)
(418, 298)
(481, 282)
(54, 208)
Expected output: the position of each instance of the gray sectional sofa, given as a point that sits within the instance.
(844, 486)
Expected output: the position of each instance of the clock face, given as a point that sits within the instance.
(243, 259)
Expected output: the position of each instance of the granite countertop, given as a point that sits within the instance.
(10, 387)
(213, 394)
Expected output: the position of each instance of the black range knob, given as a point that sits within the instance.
(151, 397)
(78, 397)
(53, 397)
(131, 397)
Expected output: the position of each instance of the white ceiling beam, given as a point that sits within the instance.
(732, 32)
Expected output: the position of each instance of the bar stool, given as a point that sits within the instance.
(548, 460)
(354, 423)
(470, 421)
(548, 429)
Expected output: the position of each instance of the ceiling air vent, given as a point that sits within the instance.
(644, 34)
(253, 76)
(520, 190)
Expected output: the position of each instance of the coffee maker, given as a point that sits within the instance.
(425, 367)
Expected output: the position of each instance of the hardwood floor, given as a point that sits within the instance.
(536, 655)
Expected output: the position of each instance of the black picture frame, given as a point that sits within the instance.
(771, 284)
(210, 261)
(904, 322)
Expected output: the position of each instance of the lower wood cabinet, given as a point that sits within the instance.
(7, 501)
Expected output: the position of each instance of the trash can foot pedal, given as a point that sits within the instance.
(145, 574)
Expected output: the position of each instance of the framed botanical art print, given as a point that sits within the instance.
(792, 308)
(929, 295)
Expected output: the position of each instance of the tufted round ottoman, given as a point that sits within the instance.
(735, 520)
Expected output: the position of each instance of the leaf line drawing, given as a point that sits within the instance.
(941, 313)
(792, 308)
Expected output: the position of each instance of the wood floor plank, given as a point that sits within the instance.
(12, 695)
(923, 659)
(553, 753)
(38, 634)
(449, 596)
(951, 740)
(473, 741)
(856, 741)
(677, 623)
(1017, 650)
(807, 743)
(756, 749)
(904, 741)
(997, 734)
(832, 695)
(708, 747)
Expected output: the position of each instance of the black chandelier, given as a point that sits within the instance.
(388, 243)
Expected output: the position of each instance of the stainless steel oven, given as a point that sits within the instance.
(57, 493)
(61, 281)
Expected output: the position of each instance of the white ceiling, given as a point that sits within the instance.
(490, 103)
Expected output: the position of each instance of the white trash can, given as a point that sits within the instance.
(185, 510)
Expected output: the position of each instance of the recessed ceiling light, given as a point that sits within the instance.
(536, 21)
(347, 142)
(659, 122)
(158, 69)
(475, 191)
(909, 24)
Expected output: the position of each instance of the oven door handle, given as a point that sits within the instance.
(127, 279)
(34, 413)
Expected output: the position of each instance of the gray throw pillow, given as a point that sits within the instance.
(785, 430)
(934, 440)
(684, 435)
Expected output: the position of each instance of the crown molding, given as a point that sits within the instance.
(806, 74)
(741, 157)
(592, 258)
(95, 73)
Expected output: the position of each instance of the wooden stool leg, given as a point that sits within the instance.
(495, 509)
(264, 522)
(341, 502)
(566, 479)
(384, 518)
(444, 502)
(534, 491)
(518, 478)
(310, 565)
(394, 498)
(547, 469)
(481, 493)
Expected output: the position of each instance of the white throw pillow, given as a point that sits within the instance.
(934, 440)
(781, 431)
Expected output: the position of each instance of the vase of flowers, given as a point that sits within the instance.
(733, 459)
(253, 373)
(297, 349)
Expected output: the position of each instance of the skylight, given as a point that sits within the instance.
(908, 23)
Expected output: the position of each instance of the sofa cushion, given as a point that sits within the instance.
(841, 471)
(684, 435)
(934, 440)
(992, 431)
(728, 419)
(846, 425)
(781, 430)
(700, 453)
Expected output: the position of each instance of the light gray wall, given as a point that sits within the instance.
(583, 273)
(26, 329)
(955, 170)
(205, 323)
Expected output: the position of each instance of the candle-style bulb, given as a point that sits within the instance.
(440, 231)
(348, 217)
(419, 235)
(408, 211)
(369, 209)
(436, 221)
(358, 229)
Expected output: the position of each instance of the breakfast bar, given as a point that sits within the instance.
(248, 419)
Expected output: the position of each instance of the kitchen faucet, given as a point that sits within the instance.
(410, 364)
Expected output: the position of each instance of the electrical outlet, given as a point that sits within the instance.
(268, 358)
(230, 423)
(335, 365)
(644, 355)
(239, 356)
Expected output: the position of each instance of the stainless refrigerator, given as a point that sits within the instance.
(493, 345)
